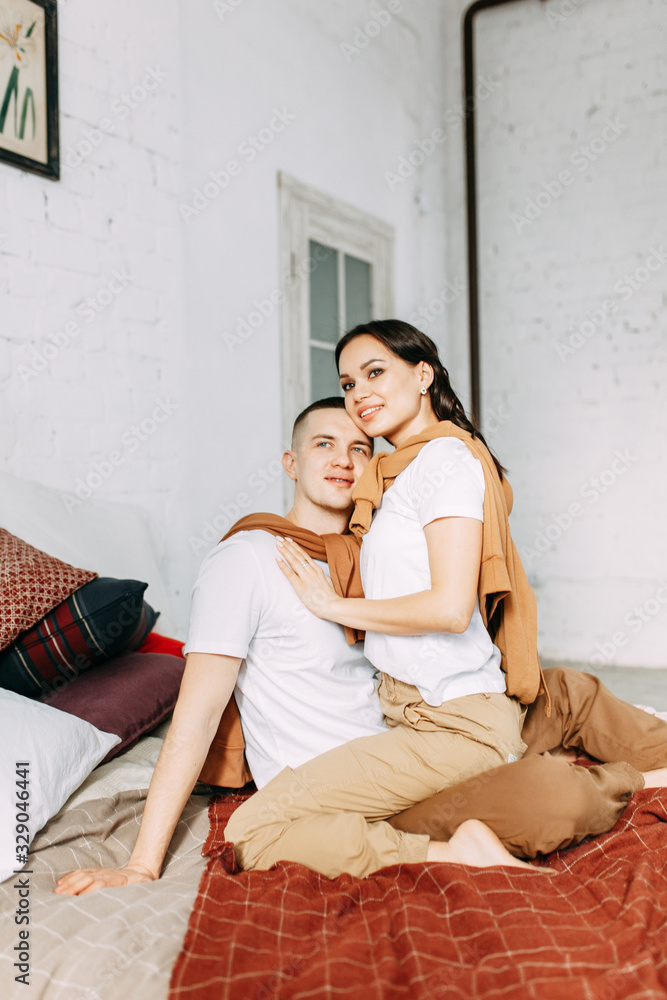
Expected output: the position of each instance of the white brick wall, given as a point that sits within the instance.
(356, 114)
(574, 361)
(117, 210)
(556, 422)
(68, 399)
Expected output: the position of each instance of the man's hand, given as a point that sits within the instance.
(80, 882)
(309, 581)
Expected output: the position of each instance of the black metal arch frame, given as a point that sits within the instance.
(471, 193)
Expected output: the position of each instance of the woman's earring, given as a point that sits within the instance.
(423, 390)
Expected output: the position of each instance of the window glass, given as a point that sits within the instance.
(357, 291)
(324, 319)
(323, 376)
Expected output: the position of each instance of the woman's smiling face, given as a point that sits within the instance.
(383, 392)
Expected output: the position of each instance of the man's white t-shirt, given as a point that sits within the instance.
(301, 689)
(444, 480)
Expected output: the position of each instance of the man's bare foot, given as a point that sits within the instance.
(655, 779)
(475, 844)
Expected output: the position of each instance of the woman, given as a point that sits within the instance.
(442, 687)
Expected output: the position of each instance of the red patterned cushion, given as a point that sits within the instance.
(156, 643)
(31, 583)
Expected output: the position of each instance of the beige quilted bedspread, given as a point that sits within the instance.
(117, 944)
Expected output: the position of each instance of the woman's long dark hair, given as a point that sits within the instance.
(413, 346)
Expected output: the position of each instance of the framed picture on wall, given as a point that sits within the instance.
(29, 85)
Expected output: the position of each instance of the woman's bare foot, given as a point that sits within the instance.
(475, 844)
(655, 779)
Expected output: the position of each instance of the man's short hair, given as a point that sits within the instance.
(330, 403)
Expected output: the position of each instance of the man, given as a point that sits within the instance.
(300, 688)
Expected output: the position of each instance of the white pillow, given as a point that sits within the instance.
(59, 749)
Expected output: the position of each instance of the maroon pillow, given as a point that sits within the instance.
(128, 695)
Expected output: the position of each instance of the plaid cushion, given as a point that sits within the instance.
(101, 619)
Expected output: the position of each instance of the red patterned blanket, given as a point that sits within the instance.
(594, 930)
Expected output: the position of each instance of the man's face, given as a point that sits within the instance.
(330, 454)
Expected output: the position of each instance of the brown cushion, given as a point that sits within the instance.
(225, 762)
(31, 583)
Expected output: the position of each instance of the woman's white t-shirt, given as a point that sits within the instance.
(444, 480)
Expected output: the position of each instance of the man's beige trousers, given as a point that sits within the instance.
(330, 813)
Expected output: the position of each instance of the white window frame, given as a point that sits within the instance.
(307, 214)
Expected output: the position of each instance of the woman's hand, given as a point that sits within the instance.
(310, 582)
(454, 547)
(79, 882)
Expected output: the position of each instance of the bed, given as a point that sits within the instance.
(592, 925)
(597, 928)
(121, 943)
